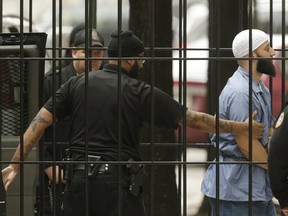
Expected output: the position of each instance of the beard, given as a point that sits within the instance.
(266, 66)
(135, 71)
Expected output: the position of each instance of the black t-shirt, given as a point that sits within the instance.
(278, 159)
(103, 101)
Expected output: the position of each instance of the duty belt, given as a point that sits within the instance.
(104, 168)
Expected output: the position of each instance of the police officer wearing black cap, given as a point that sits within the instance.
(278, 161)
(68, 52)
(104, 168)
(75, 67)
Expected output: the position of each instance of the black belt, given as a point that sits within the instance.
(104, 168)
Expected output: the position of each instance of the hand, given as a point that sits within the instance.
(284, 211)
(49, 172)
(257, 128)
(8, 176)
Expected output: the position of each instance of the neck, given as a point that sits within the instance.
(246, 65)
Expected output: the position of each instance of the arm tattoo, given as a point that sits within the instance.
(29, 146)
(225, 126)
(38, 119)
(205, 119)
(208, 120)
(26, 150)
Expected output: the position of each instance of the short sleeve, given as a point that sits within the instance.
(167, 111)
(62, 100)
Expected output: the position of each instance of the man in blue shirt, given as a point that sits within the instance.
(234, 105)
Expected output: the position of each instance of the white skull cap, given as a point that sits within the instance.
(240, 44)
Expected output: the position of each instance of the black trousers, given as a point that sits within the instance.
(49, 197)
(102, 196)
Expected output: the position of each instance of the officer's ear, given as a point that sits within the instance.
(127, 64)
(74, 52)
(130, 62)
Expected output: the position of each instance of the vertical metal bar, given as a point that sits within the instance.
(54, 38)
(54, 143)
(185, 105)
(271, 42)
(271, 21)
(180, 35)
(1, 15)
(217, 40)
(250, 188)
(119, 27)
(87, 45)
(211, 63)
(283, 53)
(180, 131)
(22, 171)
(93, 13)
(30, 15)
(152, 69)
(60, 37)
(1, 20)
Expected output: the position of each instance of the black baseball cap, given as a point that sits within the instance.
(74, 31)
(96, 39)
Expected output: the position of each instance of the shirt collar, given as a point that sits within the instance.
(114, 68)
(255, 85)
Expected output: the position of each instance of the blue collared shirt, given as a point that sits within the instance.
(234, 178)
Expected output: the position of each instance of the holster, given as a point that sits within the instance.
(136, 178)
(93, 168)
(68, 156)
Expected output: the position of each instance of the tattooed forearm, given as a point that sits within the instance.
(210, 121)
(207, 123)
(32, 136)
(225, 126)
(15, 158)
(38, 119)
(27, 148)
(200, 121)
(30, 146)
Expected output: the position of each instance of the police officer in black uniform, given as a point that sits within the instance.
(68, 52)
(103, 156)
(278, 161)
(74, 68)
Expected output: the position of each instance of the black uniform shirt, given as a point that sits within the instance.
(278, 159)
(103, 113)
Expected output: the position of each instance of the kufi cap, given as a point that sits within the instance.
(131, 45)
(240, 44)
(96, 39)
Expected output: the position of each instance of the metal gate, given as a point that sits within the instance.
(26, 55)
